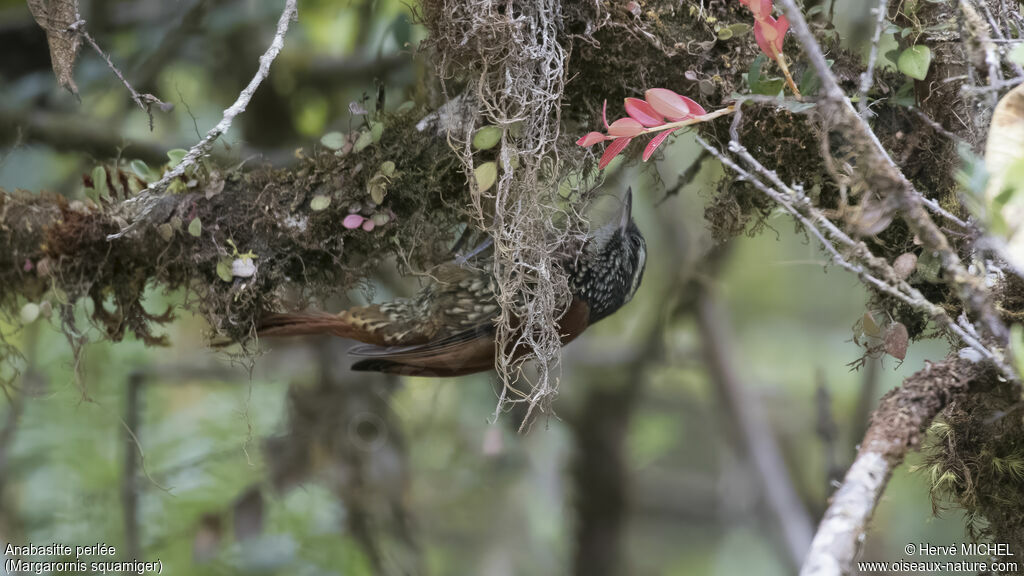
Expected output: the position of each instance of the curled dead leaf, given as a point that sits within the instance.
(869, 326)
(896, 341)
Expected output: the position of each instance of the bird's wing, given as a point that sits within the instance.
(466, 352)
(421, 350)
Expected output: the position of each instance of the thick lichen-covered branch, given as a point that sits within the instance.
(897, 427)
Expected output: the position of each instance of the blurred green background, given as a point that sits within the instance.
(298, 466)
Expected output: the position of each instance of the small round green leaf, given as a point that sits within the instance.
(376, 131)
(333, 140)
(99, 182)
(143, 171)
(388, 168)
(29, 313)
(487, 137)
(914, 61)
(378, 190)
(195, 227)
(486, 175)
(224, 270)
(176, 156)
(1016, 348)
(60, 295)
(364, 140)
(319, 202)
(739, 28)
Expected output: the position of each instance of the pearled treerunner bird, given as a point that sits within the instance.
(448, 328)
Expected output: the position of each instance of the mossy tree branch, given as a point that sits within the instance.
(53, 249)
(897, 427)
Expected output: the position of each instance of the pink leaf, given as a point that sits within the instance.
(762, 42)
(368, 225)
(612, 151)
(655, 142)
(590, 139)
(672, 105)
(760, 8)
(625, 127)
(643, 112)
(770, 34)
(781, 27)
(695, 108)
(352, 221)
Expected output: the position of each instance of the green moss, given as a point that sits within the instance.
(974, 459)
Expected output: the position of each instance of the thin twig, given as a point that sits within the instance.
(868, 77)
(146, 200)
(928, 202)
(143, 100)
(935, 126)
(996, 87)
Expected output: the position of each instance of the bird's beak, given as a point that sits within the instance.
(627, 210)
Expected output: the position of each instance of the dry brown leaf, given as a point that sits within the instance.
(896, 340)
(905, 265)
(56, 18)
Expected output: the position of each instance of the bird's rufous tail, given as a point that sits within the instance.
(305, 324)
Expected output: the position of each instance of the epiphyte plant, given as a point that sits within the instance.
(661, 112)
(770, 34)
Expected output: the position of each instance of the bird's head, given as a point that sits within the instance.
(609, 271)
